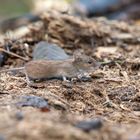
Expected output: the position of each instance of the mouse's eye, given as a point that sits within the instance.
(90, 62)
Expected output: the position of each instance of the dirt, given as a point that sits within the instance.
(112, 94)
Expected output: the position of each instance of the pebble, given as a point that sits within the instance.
(2, 58)
(49, 51)
(88, 125)
(34, 101)
(93, 7)
(2, 137)
(19, 115)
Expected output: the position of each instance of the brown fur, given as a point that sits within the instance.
(38, 69)
(41, 69)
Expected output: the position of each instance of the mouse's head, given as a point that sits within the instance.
(84, 62)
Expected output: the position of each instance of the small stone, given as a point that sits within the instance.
(86, 79)
(19, 116)
(89, 125)
(49, 51)
(33, 101)
(1, 59)
(2, 137)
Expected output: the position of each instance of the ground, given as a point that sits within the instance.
(112, 94)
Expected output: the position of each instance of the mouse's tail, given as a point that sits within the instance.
(12, 69)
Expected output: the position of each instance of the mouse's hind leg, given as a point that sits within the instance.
(64, 78)
(29, 82)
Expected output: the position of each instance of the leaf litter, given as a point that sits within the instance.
(112, 94)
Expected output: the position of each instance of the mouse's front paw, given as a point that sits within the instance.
(85, 77)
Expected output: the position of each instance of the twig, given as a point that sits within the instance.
(108, 102)
(59, 98)
(16, 55)
(113, 80)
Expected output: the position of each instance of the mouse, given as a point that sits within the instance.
(51, 62)
(65, 69)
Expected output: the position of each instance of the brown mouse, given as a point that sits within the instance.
(70, 68)
(47, 69)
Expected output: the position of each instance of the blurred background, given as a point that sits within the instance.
(15, 8)
(128, 10)
(12, 8)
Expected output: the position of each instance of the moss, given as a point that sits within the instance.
(10, 8)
